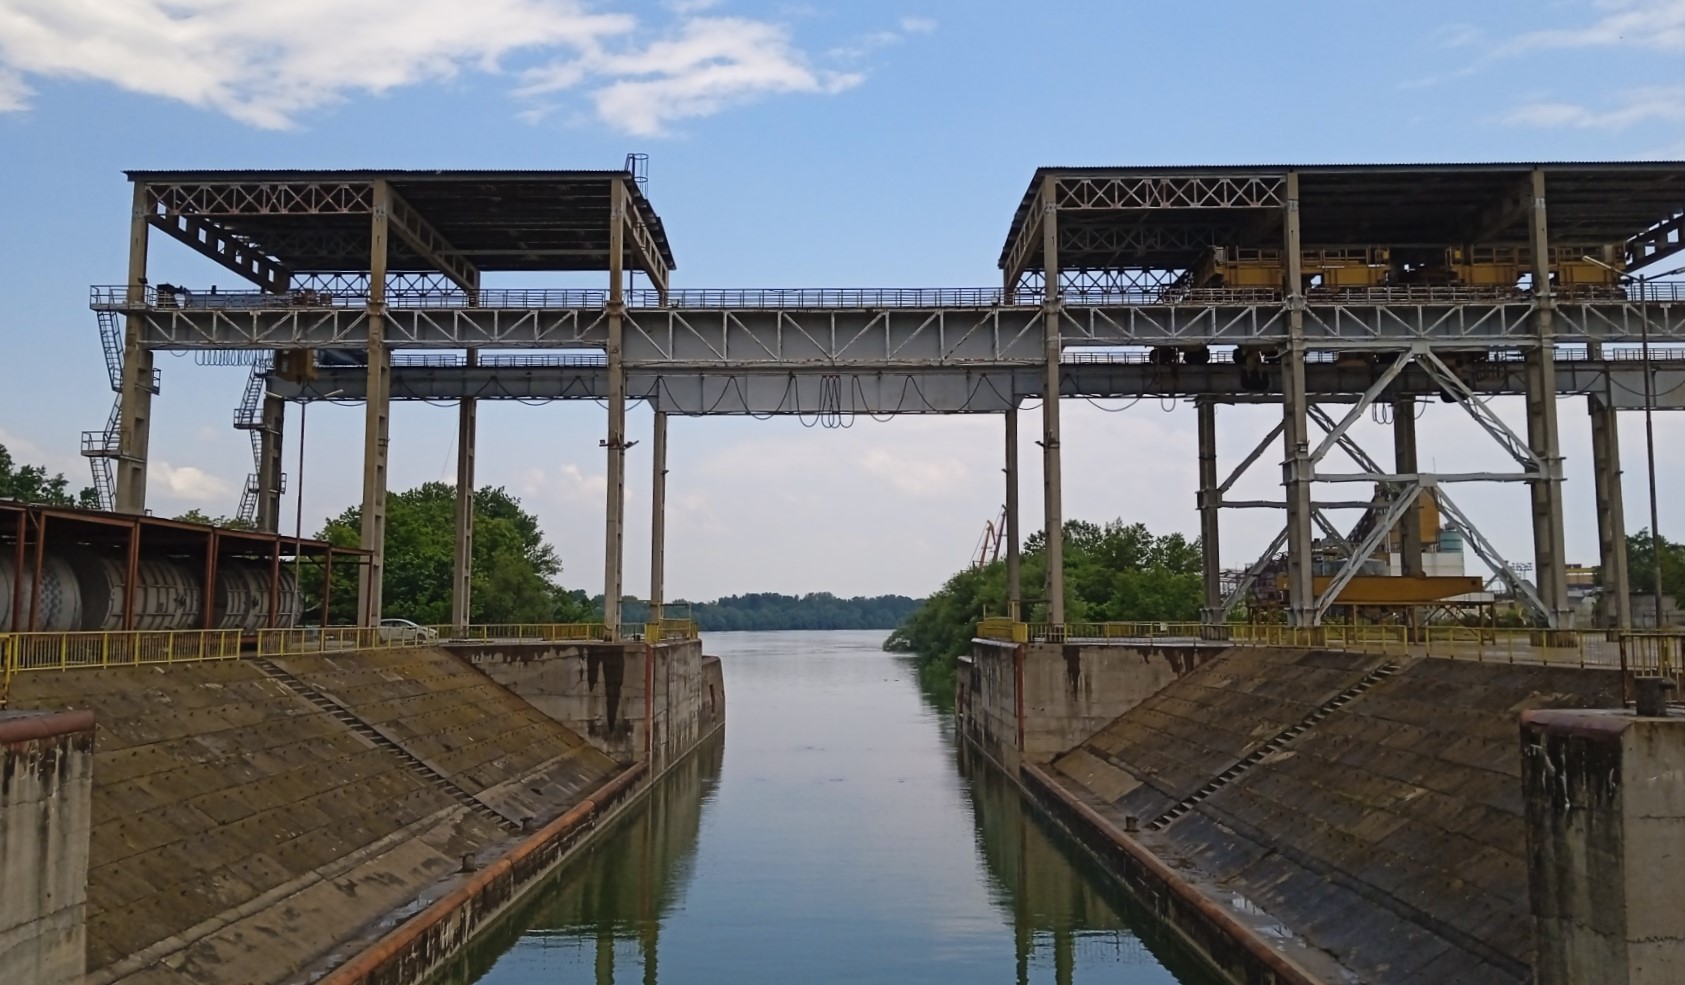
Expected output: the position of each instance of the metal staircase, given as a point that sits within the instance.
(1274, 745)
(102, 447)
(248, 417)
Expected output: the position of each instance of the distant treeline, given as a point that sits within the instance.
(764, 611)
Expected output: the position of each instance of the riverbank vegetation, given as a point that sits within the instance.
(1117, 572)
(769, 611)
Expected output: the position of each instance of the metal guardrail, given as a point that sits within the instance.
(20, 652)
(1637, 653)
(107, 297)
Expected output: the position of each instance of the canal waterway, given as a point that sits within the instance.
(835, 835)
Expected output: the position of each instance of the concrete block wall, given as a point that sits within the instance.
(46, 784)
(1033, 701)
(636, 702)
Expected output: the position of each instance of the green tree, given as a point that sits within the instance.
(229, 522)
(515, 570)
(1640, 562)
(1113, 573)
(32, 484)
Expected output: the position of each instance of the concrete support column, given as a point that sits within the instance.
(1550, 565)
(376, 417)
(1605, 806)
(1014, 538)
(462, 568)
(1210, 500)
(1298, 468)
(135, 416)
(614, 528)
(1406, 462)
(46, 812)
(1616, 604)
(658, 521)
(1052, 492)
(269, 474)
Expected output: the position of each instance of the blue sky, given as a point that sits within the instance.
(805, 144)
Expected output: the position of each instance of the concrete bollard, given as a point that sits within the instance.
(1605, 804)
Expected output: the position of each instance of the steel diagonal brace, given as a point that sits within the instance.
(1329, 530)
(1252, 574)
(1482, 414)
(1484, 550)
(1395, 512)
(1347, 444)
(1251, 459)
(1337, 433)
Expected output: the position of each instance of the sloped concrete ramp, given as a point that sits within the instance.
(242, 834)
(1389, 834)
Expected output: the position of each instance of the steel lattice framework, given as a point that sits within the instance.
(1099, 267)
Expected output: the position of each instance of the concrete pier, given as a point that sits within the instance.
(1605, 795)
(46, 784)
(1029, 702)
(636, 702)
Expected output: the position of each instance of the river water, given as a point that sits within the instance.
(836, 835)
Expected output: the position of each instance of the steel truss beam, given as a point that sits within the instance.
(416, 232)
(232, 252)
(956, 389)
(644, 249)
(354, 284)
(262, 198)
(1656, 243)
(1120, 192)
(845, 334)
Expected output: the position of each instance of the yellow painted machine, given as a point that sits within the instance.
(1330, 269)
(1506, 266)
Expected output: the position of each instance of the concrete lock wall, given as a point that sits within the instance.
(1605, 794)
(46, 785)
(636, 702)
(1032, 701)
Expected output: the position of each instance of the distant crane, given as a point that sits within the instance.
(994, 535)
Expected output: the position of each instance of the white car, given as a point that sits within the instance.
(404, 631)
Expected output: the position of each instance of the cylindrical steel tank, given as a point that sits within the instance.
(241, 600)
(59, 609)
(167, 594)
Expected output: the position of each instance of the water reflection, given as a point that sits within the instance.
(605, 910)
(831, 839)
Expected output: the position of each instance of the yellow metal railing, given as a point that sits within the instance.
(63, 651)
(1640, 653)
(1004, 629)
(561, 632)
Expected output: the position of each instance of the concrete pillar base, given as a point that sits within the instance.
(1605, 803)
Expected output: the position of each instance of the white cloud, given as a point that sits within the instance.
(864, 45)
(188, 483)
(711, 63)
(1655, 104)
(916, 472)
(569, 484)
(238, 57)
(1653, 24)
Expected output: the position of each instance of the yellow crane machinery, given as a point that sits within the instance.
(1504, 267)
(1240, 268)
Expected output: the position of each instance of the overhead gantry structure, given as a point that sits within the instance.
(365, 242)
(1347, 285)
